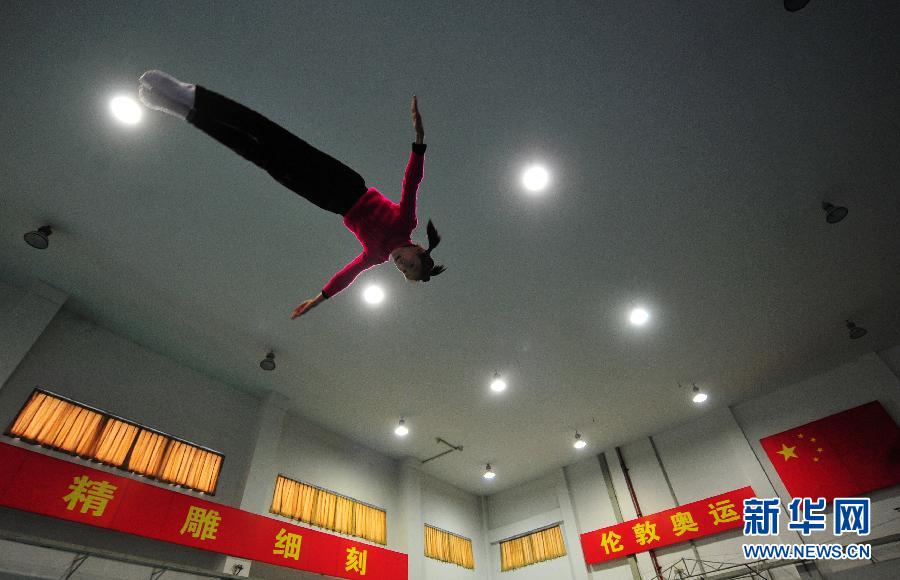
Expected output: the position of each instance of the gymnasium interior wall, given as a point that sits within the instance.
(44, 344)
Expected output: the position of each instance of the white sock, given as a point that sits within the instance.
(163, 92)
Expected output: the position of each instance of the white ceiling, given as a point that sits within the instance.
(691, 145)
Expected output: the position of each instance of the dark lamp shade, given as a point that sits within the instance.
(268, 363)
(795, 5)
(39, 238)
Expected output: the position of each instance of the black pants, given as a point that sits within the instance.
(293, 162)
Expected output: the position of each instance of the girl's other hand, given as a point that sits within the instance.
(417, 121)
(305, 307)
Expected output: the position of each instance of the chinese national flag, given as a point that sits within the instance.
(842, 455)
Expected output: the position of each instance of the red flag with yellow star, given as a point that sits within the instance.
(843, 455)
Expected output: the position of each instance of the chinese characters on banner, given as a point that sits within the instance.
(694, 520)
(288, 545)
(201, 523)
(356, 561)
(93, 495)
(45, 485)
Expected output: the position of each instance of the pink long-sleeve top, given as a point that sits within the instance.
(381, 225)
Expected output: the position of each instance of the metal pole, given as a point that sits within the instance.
(617, 511)
(675, 499)
(451, 450)
(637, 507)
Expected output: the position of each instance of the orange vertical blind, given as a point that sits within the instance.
(57, 423)
(532, 548)
(447, 547)
(328, 510)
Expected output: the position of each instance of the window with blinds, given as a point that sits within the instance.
(326, 509)
(64, 425)
(448, 547)
(532, 548)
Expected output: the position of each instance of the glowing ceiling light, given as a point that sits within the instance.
(489, 472)
(126, 110)
(498, 385)
(699, 396)
(535, 178)
(579, 442)
(373, 295)
(639, 316)
(402, 430)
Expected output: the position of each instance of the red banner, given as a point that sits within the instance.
(842, 455)
(45, 485)
(688, 522)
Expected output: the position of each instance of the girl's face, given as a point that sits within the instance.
(407, 261)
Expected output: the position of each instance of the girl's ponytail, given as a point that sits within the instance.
(428, 267)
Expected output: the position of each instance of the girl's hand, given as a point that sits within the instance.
(417, 121)
(306, 306)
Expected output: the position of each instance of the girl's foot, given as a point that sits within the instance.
(163, 92)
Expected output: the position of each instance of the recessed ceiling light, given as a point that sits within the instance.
(126, 110)
(373, 295)
(489, 472)
(498, 385)
(535, 178)
(639, 316)
(401, 430)
(698, 395)
(579, 442)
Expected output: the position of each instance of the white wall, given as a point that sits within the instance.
(703, 458)
(313, 455)
(303, 451)
(459, 512)
(9, 297)
(529, 500)
(84, 362)
(891, 358)
(532, 506)
(717, 452)
(89, 364)
(594, 509)
(866, 379)
(21, 561)
(23, 317)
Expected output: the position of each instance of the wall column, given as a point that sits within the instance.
(413, 525)
(23, 324)
(263, 468)
(571, 528)
(486, 565)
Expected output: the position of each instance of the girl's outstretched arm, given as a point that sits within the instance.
(414, 168)
(338, 282)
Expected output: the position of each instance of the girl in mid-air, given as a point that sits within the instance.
(382, 227)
